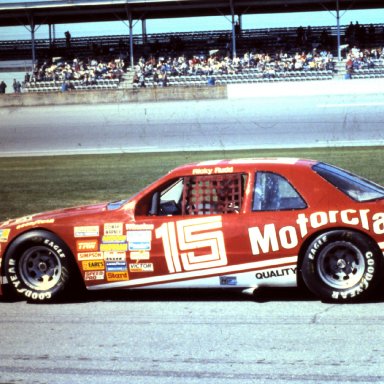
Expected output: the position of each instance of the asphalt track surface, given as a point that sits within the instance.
(280, 336)
(259, 121)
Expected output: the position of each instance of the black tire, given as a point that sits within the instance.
(341, 266)
(38, 267)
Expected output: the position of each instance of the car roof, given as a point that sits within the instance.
(241, 165)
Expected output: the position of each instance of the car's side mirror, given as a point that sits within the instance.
(154, 211)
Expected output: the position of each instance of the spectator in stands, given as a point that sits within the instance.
(16, 86)
(65, 86)
(164, 79)
(3, 87)
(211, 81)
(142, 80)
(67, 39)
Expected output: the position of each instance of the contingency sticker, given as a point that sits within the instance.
(94, 275)
(89, 256)
(139, 255)
(95, 265)
(117, 276)
(139, 240)
(4, 234)
(116, 266)
(141, 267)
(113, 229)
(115, 256)
(87, 245)
(86, 231)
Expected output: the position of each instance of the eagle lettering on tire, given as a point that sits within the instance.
(341, 265)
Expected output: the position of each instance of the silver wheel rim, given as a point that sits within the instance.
(40, 268)
(341, 265)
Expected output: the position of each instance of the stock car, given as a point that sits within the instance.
(236, 224)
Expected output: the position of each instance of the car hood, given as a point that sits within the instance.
(51, 216)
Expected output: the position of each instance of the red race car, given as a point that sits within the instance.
(239, 224)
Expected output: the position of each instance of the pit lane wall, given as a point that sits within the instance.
(113, 96)
(230, 91)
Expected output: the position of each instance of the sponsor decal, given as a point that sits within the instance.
(95, 265)
(139, 255)
(139, 240)
(141, 267)
(4, 234)
(114, 247)
(113, 239)
(117, 276)
(210, 171)
(139, 236)
(276, 273)
(116, 266)
(86, 231)
(270, 239)
(94, 275)
(139, 227)
(87, 245)
(23, 219)
(139, 246)
(113, 229)
(89, 256)
(36, 222)
(228, 280)
(115, 256)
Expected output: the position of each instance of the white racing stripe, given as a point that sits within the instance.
(197, 274)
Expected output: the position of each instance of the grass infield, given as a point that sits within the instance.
(37, 184)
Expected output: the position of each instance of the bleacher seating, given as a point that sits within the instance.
(245, 77)
(54, 86)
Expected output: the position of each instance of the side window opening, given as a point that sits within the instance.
(170, 198)
(213, 194)
(199, 195)
(273, 192)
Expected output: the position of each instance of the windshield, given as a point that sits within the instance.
(356, 187)
(115, 205)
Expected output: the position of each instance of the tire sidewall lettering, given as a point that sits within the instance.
(56, 248)
(12, 266)
(316, 284)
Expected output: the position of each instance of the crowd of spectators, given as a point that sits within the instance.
(87, 72)
(357, 59)
(160, 69)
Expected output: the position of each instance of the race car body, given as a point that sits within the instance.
(240, 224)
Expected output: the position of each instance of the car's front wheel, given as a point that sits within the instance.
(38, 267)
(341, 266)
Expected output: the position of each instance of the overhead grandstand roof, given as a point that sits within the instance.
(14, 13)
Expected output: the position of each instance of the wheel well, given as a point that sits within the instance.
(307, 241)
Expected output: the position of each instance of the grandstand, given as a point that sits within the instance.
(281, 45)
(318, 45)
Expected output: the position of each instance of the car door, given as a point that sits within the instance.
(194, 231)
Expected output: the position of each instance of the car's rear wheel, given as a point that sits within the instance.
(341, 266)
(38, 267)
